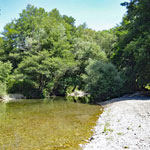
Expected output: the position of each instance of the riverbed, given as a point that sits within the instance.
(46, 124)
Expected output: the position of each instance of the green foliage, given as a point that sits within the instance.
(23, 87)
(85, 99)
(38, 45)
(106, 40)
(2, 49)
(102, 80)
(132, 53)
(70, 89)
(5, 69)
(50, 55)
(83, 50)
(43, 71)
(2, 89)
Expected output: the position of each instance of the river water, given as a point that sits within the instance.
(53, 124)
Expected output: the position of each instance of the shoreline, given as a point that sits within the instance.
(124, 124)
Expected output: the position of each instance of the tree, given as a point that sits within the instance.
(132, 54)
(106, 40)
(49, 53)
(2, 53)
(85, 50)
(42, 71)
(16, 32)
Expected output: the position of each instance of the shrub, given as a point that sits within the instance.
(102, 80)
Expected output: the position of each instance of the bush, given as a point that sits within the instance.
(102, 80)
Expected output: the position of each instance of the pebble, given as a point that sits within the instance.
(125, 124)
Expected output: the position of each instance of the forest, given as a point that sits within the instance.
(44, 54)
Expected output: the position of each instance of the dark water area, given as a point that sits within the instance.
(46, 124)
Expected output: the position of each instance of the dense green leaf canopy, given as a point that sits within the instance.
(45, 53)
(132, 52)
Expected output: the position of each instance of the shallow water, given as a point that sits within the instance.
(46, 124)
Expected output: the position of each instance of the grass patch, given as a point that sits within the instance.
(119, 133)
(106, 128)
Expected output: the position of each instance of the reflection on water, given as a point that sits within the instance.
(45, 124)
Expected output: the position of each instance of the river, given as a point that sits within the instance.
(53, 124)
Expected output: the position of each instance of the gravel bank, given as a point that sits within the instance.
(125, 124)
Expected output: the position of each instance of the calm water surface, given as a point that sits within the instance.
(46, 124)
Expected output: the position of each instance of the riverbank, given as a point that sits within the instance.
(123, 125)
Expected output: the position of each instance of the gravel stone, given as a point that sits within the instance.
(124, 124)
